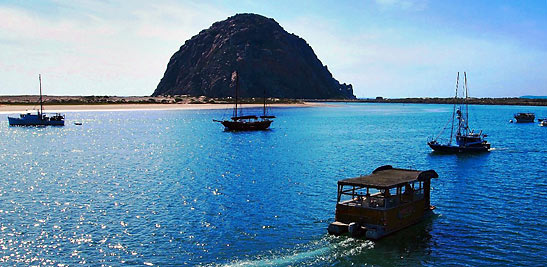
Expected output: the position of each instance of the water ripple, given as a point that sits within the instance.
(172, 188)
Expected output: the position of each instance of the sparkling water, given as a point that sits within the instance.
(173, 188)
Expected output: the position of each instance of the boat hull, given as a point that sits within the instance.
(383, 222)
(459, 149)
(34, 121)
(246, 125)
(524, 120)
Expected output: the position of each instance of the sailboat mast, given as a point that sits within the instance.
(41, 104)
(466, 105)
(264, 101)
(454, 109)
(237, 89)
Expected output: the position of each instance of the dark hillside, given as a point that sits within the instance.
(265, 55)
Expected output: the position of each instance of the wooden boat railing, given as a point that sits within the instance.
(379, 201)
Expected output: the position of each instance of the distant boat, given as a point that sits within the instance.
(249, 122)
(40, 118)
(525, 117)
(543, 123)
(466, 139)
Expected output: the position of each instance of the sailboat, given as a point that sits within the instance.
(40, 118)
(248, 122)
(467, 140)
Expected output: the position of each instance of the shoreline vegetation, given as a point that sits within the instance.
(18, 103)
(102, 100)
(515, 101)
(21, 103)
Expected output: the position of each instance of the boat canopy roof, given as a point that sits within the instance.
(387, 177)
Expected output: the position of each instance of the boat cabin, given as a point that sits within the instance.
(383, 202)
(472, 139)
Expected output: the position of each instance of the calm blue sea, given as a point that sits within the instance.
(172, 188)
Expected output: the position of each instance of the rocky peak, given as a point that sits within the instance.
(266, 57)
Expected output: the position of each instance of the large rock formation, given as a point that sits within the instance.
(265, 56)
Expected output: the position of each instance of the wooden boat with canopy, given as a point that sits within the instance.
(383, 202)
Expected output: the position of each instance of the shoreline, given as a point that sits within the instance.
(507, 101)
(161, 102)
(18, 104)
(17, 108)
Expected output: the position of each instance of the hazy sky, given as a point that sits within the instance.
(390, 48)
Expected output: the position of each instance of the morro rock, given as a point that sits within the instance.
(267, 58)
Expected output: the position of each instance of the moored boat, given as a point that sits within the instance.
(467, 140)
(249, 122)
(39, 118)
(386, 201)
(246, 123)
(525, 117)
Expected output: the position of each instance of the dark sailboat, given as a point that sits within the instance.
(40, 118)
(248, 122)
(467, 140)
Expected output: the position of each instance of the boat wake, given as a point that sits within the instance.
(282, 260)
(517, 151)
(335, 248)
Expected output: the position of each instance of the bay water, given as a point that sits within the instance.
(172, 188)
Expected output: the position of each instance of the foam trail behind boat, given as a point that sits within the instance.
(282, 260)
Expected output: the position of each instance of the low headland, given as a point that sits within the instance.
(516, 101)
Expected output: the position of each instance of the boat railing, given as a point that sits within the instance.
(381, 202)
(249, 117)
(440, 140)
(374, 202)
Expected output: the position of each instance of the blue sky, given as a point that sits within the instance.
(390, 48)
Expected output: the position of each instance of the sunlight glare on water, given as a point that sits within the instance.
(173, 188)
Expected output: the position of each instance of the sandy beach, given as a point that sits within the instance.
(8, 109)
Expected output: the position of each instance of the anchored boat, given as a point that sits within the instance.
(467, 140)
(383, 202)
(40, 118)
(525, 117)
(249, 122)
